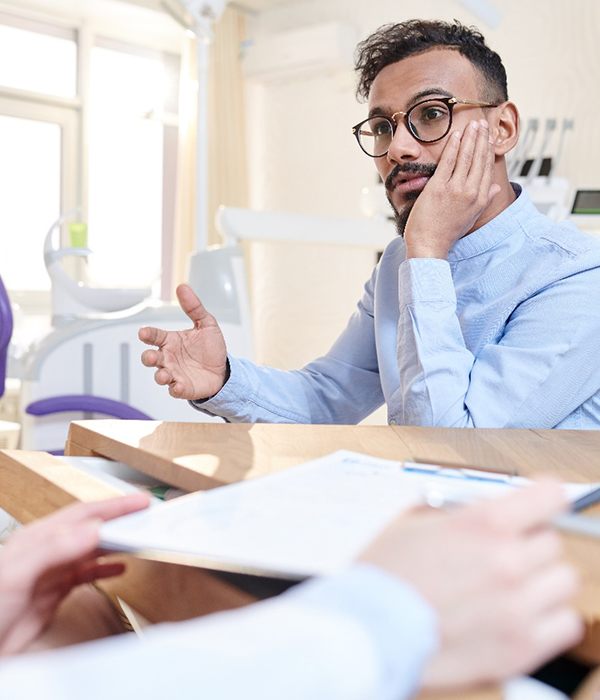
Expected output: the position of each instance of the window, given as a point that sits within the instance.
(126, 159)
(30, 180)
(106, 151)
(37, 57)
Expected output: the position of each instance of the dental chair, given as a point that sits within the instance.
(90, 368)
(45, 409)
(6, 329)
(9, 431)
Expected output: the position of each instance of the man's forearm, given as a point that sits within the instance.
(433, 362)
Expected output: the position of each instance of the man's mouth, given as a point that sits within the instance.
(409, 182)
(408, 178)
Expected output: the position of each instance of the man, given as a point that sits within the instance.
(483, 313)
(437, 601)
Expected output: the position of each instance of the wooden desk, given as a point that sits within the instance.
(197, 456)
(203, 455)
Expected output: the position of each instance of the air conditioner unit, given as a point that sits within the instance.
(309, 50)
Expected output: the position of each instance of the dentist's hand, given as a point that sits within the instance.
(41, 563)
(456, 195)
(496, 575)
(192, 363)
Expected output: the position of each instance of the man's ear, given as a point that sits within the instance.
(505, 128)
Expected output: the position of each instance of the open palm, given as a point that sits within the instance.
(192, 363)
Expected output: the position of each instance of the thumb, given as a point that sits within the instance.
(191, 305)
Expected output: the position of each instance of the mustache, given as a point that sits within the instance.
(426, 169)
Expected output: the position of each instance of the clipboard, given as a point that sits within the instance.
(309, 520)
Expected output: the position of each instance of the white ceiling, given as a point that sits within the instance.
(260, 5)
(252, 5)
(82, 8)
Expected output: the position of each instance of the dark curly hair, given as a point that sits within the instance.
(393, 42)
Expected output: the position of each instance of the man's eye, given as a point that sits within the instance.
(381, 129)
(432, 114)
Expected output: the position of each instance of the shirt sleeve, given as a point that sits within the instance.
(360, 634)
(539, 369)
(343, 386)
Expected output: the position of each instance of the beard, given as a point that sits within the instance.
(401, 215)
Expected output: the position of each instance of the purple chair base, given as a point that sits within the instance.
(84, 403)
(87, 404)
(6, 329)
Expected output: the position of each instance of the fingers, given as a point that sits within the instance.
(447, 162)
(99, 510)
(459, 152)
(194, 309)
(465, 158)
(469, 158)
(43, 548)
(539, 550)
(555, 632)
(95, 569)
(163, 377)
(152, 336)
(479, 173)
(150, 358)
(67, 536)
(551, 588)
(524, 510)
(191, 305)
(176, 389)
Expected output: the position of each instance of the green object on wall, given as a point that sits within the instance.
(78, 235)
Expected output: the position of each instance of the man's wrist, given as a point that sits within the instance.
(225, 380)
(414, 250)
(227, 373)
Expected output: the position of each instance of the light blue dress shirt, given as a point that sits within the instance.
(504, 334)
(359, 635)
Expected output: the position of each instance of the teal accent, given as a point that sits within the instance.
(160, 492)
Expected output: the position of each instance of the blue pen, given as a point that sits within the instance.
(467, 474)
(585, 501)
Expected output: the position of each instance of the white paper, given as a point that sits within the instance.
(307, 520)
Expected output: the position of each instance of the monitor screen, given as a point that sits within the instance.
(586, 202)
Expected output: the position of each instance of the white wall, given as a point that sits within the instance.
(551, 50)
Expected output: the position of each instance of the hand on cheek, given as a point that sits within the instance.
(455, 196)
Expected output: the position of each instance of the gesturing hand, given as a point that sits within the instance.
(192, 363)
(42, 562)
(455, 196)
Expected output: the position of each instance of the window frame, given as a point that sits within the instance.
(22, 106)
(71, 114)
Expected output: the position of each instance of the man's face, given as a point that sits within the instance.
(409, 164)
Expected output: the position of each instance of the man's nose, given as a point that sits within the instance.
(404, 145)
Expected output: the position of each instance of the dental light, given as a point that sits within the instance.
(204, 10)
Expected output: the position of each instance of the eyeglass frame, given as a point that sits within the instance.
(450, 102)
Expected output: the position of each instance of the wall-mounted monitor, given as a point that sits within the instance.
(586, 202)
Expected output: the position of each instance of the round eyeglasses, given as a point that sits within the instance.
(428, 121)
